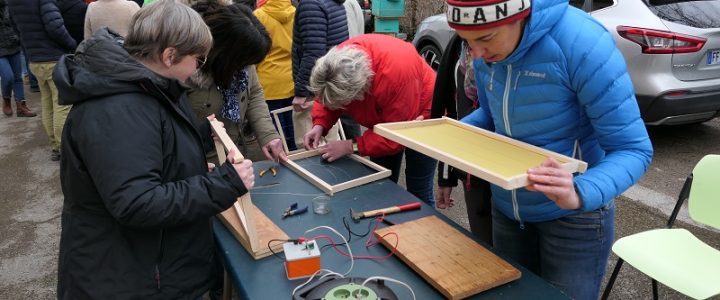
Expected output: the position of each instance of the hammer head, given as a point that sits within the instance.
(356, 216)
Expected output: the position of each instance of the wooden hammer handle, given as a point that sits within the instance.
(391, 209)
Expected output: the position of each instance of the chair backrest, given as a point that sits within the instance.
(704, 199)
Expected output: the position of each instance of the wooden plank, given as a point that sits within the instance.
(488, 155)
(451, 262)
(381, 173)
(243, 202)
(266, 230)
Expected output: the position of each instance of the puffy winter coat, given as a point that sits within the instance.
(10, 42)
(401, 90)
(73, 12)
(319, 26)
(138, 194)
(275, 71)
(565, 88)
(42, 29)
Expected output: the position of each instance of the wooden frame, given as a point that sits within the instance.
(278, 125)
(496, 158)
(250, 226)
(381, 173)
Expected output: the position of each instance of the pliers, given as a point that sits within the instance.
(271, 169)
(293, 210)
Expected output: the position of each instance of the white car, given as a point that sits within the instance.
(671, 47)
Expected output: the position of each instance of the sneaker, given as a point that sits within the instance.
(55, 155)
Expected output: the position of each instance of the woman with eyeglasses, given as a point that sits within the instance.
(227, 84)
(138, 193)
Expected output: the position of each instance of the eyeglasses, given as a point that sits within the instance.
(201, 60)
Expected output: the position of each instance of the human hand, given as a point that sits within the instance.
(555, 182)
(442, 198)
(311, 139)
(274, 151)
(336, 149)
(211, 167)
(420, 118)
(301, 104)
(244, 169)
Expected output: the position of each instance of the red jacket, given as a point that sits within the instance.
(401, 90)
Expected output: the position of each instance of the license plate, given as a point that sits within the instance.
(713, 57)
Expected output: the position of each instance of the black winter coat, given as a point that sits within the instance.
(10, 42)
(42, 29)
(73, 13)
(138, 196)
(318, 26)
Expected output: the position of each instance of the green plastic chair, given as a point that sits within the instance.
(675, 257)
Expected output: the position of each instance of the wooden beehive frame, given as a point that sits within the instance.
(243, 218)
(459, 151)
(381, 173)
(278, 125)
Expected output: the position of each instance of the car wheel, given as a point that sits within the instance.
(431, 54)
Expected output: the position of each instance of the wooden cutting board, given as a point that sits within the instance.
(450, 261)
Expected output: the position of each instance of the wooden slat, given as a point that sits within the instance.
(488, 155)
(454, 264)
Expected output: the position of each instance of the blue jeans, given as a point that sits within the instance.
(26, 70)
(285, 120)
(11, 79)
(419, 172)
(570, 252)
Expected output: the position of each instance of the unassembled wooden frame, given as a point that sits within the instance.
(250, 226)
(329, 189)
(276, 119)
(496, 158)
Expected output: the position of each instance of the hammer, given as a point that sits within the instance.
(356, 216)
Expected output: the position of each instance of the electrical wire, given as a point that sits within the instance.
(352, 261)
(350, 234)
(388, 279)
(313, 276)
(273, 251)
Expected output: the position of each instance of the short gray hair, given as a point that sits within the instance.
(341, 76)
(164, 24)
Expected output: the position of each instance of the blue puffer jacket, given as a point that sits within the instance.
(319, 26)
(565, 88)
(42, 29)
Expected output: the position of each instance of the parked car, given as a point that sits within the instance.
(671, 47)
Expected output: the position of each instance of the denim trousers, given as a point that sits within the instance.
(419, 172)
(11, 80)
(569, 252)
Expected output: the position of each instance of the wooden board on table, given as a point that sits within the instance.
(266, 230)
(498, 159)
(454, 264)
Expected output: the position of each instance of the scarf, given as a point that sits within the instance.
(231, 94)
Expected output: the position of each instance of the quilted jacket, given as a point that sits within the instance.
(565, 88)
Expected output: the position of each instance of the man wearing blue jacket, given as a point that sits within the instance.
(45, 38)
(550, 75)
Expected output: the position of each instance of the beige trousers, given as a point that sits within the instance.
(53, 114)
(302, 123)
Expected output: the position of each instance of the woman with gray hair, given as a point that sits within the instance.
(138, 191)
(375, 79)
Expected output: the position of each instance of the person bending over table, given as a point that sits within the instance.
(375, 79)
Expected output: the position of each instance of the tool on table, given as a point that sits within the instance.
(356, 216)
(272, 170)
(293, 210)
(262, 177)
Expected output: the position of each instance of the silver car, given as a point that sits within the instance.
(671, 47)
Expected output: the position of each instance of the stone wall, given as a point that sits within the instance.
(416, 11)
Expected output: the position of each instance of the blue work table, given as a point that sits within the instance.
(266, 278)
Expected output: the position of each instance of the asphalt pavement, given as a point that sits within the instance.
(31, 202)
